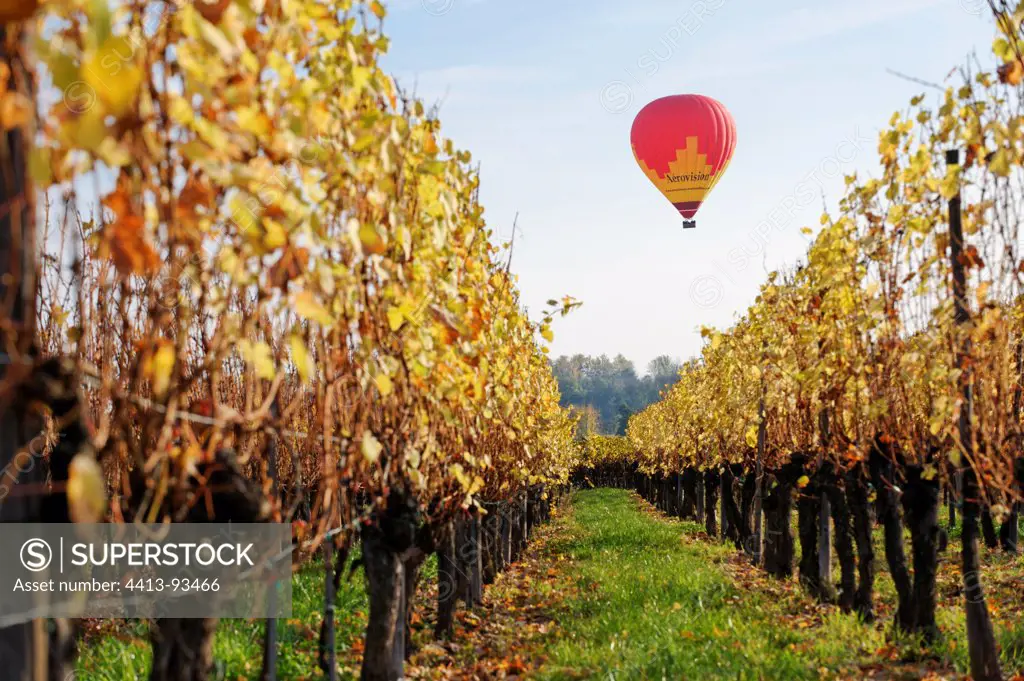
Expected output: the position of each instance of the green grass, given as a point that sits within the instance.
(654, 602)
(1002, 577)
(651, 606)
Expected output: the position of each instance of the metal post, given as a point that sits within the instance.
(981, 641)
(825, 516)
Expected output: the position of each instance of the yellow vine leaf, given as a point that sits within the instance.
(263, 360)
(384, 384)
(950, 185)
(370, 240)
(300, 356)
(260, 356)
(111, 72)
(187, 457)
(1000, 163)
(308, 307)
(40, 166)
(460, 475)
(395, 318)
(751, 436)
(86, 490)
(161, 368)
(371, 447)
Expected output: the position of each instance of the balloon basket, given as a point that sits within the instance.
(689, 224)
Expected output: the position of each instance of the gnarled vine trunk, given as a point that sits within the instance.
(492, 540)
(748, 488)
(712, 481)
(1009, 534)
(778, 507)
(861, 513)
(731, 510)
(981, 640)
(447, 580)
(413, 559)
(988, 528)
(385, 544)
(834, 488)
(183, 648)
(921, 509)
(808, 507)
(689, 510)
(384, 656)
(883, 477)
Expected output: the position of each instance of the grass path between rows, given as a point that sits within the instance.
(655, 600)
(613, 590)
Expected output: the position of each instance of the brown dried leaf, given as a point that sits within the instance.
(17, 10)
(124, 239)
(212, 10)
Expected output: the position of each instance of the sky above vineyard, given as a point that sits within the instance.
(544, 93)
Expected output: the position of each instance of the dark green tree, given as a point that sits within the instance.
(610, 387)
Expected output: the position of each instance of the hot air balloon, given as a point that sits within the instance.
(683, 143)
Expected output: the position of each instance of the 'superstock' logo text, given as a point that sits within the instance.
(138, 555)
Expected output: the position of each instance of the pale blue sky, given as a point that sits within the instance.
(544, 93)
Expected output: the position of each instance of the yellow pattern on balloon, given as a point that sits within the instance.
(689, 178)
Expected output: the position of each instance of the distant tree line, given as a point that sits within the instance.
(609, 391)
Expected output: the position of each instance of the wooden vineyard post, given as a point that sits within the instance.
(951, 498)
(759, 472)
(269, 669)
(981, 640)
(699, 486)
(328, 650)
(723, 523)
(825, 515)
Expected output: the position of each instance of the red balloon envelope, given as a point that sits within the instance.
(683, 144)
